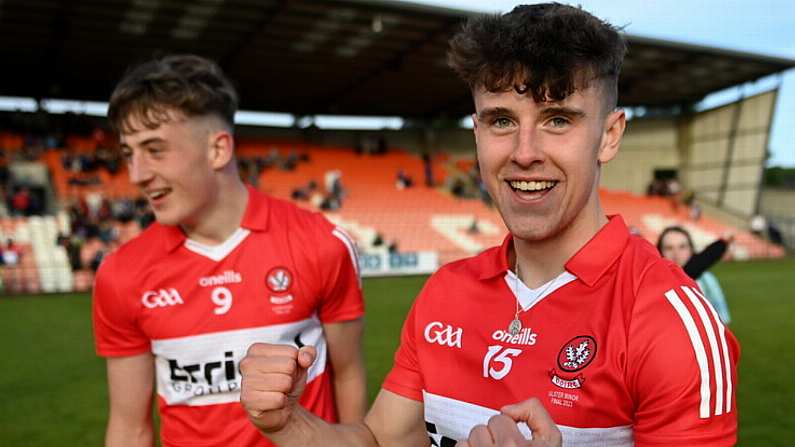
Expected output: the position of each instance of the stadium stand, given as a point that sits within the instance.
(60, 252)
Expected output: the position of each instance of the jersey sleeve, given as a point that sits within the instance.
(405, 378)
(681, 364)
(115, 331)
(342, 292)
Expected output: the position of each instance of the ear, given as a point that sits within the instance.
(222, 148)
(615, 124)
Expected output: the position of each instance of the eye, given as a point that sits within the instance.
(559, 122)
(126, 154)
(502, 122)
(155, 151)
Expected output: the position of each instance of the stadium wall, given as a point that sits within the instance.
(648, 145)
(724, 152)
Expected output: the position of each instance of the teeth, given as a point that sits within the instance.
(531, 186)
(157, 194)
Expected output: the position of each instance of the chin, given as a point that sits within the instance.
(532, 232)
(166, 219)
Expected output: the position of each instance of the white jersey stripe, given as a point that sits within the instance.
(351, 246)
(724, 345)
(698, 347)
(199, 370)
(713, 346)
(454, 419)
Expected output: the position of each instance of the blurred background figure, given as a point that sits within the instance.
(676, 244)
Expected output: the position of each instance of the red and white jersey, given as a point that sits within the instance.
(198, 308)
(622, 349)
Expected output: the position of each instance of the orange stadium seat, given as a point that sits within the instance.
(420, 218)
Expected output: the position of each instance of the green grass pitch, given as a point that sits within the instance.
(52, 387)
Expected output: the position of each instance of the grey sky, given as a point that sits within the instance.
(762, 26)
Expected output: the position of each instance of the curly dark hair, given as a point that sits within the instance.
(550, 50)
(190, 84)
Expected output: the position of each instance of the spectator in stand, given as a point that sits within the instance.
(20, 202)
(304, 193)
(403, 180)
(11, 253)
(676, 244)
(758, 225)
(4, 172)
(427, 167)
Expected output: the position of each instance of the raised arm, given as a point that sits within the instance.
(130, 387)
(705, 259)
(274, 377)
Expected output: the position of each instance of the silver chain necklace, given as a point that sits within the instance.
(516, 324)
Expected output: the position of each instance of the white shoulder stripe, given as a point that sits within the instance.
(724, 345)
(351, 246)
(713, 346)
(698, 347)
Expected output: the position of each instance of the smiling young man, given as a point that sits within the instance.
(589, 323)
(223, 267)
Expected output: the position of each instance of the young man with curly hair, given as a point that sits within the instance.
(580, 322)
(223, 266)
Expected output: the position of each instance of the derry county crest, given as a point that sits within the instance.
(572, 358)
(279, 280)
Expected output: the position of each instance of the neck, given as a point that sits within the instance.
(543, 260)
(223, 214)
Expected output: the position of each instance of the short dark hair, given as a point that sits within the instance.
(189, 84)
(551, 49)
(675, 229)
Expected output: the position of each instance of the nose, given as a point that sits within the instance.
(139, 170)
(527, 148)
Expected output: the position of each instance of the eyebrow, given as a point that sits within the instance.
(491, 112)
(562, 110)
(145, 142)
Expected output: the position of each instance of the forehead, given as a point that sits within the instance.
(590, 96)
(674, 238)
(138, 127)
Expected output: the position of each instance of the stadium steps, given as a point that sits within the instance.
(420, 218)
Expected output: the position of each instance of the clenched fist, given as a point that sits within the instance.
(274, 376)
(501, 430)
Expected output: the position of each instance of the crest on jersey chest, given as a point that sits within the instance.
(279, 281)
(573, 357)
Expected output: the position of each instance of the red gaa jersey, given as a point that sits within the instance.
(198, 308)
(622, 349)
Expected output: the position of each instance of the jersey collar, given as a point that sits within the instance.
(588, 264)
(255, 218)
(593, 260)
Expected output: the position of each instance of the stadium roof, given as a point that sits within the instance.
(308, 56)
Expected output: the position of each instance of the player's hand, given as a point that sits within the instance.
(728, 236)
(502, 431)
(274, 376)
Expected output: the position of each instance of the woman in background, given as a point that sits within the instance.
(676, 244)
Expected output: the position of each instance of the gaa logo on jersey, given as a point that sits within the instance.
(575, 355)
(279, 280)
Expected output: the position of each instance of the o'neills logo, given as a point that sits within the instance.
(524, 337)
(227, 277)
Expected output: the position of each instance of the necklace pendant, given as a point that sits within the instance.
(515, 326)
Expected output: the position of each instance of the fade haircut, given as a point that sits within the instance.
(189, 84)
(549, 50)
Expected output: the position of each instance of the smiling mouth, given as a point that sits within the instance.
(158, 194)
(531, 186)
